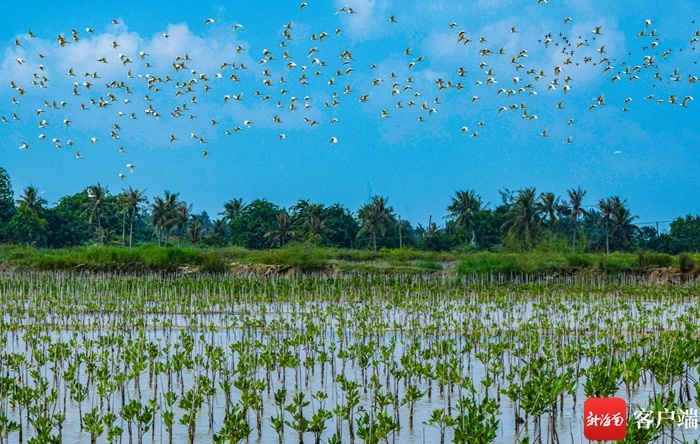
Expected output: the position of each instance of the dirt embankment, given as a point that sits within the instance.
(245, 270)
(658, 275)
(674, 274)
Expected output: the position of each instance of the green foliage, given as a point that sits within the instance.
(215, 240)
(685, 262)
(305, 258)
(525, 221)
(429, 265)
(505, 263)
(93, 424)
(68, 224)
(441, 240)
(476, 423)
(579, 260)
(616, 263)
(235, 428)
(603, 379)
(27, 227)
(168, 258)
(374, 430)
(640, 435)
(535, 340)
(213, 263)
(687, 232)
(376, 218)
(250, 225)
(7, 203)
(465, 204)
(658, 260)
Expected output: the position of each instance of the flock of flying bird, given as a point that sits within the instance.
(290, 79)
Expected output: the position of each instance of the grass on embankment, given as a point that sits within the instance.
(212, 260)
(153, 258)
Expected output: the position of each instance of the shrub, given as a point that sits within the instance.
(167, 259)
(293, 256)
(214, 240)
(429, 265)
(686, 262)
(486, 263)
(213, 263)
(613, 264)
(579, 260)
(649, 259)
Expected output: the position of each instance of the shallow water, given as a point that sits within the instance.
(465, 321)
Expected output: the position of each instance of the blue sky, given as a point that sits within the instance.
(648, 154)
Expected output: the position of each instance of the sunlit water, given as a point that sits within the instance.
(241, 322)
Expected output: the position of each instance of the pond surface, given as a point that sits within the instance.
(86, 344)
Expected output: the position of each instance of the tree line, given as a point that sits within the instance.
(524, 220)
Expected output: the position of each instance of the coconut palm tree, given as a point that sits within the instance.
(31, 197)
(606, 207)
(316, 227)
(376, 217)
(621, 221)
(133, 199)
(524, 217)
(123, 205)
(159, 215)
(549, 205)
(163, 214)
(283, 230)
(32, 227)
(299, 209)
(218, 227)
(576, 198)
(231, 209)
(463, 207)
(182, 216)
(313, 221)
(171, 204)
(194, 230)
(97, 195)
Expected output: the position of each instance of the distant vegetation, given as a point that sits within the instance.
(302, 258)
(525, 221)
